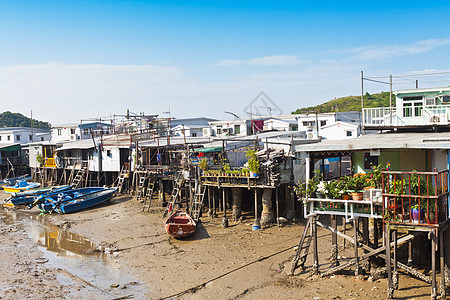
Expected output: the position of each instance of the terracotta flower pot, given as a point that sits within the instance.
(357, 196)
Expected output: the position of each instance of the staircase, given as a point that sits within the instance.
(178, 182)
(149, 195)
(303, 247)
(78, 179)
(197, 204)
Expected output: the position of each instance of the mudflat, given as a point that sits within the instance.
(117, 251)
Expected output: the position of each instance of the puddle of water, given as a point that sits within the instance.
(78, 256)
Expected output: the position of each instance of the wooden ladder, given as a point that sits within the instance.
(78, 178)
(178, 182)
(149, 195)
(121, 180)
(303, 248)
(141, 188)
(197, 204)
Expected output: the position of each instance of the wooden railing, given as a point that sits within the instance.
(418, 198)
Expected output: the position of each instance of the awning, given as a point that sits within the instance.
(209, 149)
(10, 148)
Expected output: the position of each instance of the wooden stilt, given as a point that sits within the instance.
(256, 205)
(344, 224)
(390, 288)
(214, 204)
(395, 271)
(334, 244)
(224, 201)
(410, 260)
(365, 236)
(433, 263)
(355, 245)
(375, 233)
(442, 263)
(315, 267)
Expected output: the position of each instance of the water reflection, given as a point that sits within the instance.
(75, 254)
(60, 241)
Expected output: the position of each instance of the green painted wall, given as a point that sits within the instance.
(400, 160)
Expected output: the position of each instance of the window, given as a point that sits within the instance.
(323, 123)
(417, 109)
(108, 153)
(42, 138)
(237, 129)
(72, 130)
(31, 137)
(0, 137)
(194, 134)
(349, 132)
(59, 131)
(17, 137)
(407, 110)
(309, 123)
(219, 130)
(85, 131)
(9, 137)
(370, 161)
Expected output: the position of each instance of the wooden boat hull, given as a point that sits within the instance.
(87, 201)
(17, 188)
(76, 199)
(29, 196)
(180, 224)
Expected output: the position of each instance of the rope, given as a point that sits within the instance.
(195, 288)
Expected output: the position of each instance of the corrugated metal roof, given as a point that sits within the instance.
(411, 140)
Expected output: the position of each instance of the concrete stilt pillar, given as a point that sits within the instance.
(267, 212)
(289, 203)
(237, 203)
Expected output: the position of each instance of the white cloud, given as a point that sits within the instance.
(376, 52)
(274, 60)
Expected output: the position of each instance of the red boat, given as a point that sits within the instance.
(180, 224)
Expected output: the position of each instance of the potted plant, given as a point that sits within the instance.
(203, 164)
(253, 163)
(40, 159)
(417, 213)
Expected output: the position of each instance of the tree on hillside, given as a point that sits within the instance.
(349, 103)
(9, 119)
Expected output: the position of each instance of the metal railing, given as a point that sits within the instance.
(388, 116)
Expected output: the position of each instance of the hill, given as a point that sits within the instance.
(350, 103)
(9, 119)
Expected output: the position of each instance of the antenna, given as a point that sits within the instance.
(235, 115)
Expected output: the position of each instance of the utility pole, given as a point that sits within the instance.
(390, 98)
(362, 99)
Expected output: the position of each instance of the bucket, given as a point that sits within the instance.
(256, 227)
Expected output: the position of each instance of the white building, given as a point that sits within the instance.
(340, 130)
(280, 124)
(23, 135)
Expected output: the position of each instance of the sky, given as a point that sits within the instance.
(67, 61)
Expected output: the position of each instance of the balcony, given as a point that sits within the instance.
(389, 117)
(415, 198)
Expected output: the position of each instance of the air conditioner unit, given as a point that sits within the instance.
(207, 132)
(311, 136)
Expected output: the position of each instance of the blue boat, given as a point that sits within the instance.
(30, 196)
(21, 186)
(76, 199)
(13, 180)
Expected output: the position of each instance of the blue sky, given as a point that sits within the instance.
(72, 60)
